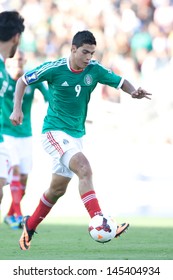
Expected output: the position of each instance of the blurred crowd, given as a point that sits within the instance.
(134, 38)
(130, 33)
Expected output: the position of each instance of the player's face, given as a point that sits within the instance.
(82, 55)
(15, 43)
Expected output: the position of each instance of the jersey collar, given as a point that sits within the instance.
(71, 69)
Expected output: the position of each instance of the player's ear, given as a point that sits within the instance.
(73, 49)
(16, 38)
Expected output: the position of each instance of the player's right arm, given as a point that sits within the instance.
(16, 116)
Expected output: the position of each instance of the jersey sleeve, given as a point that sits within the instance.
(38, 74)
(108, 77)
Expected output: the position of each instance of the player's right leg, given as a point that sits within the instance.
(26, 236)
(56, 144)
(57, 189)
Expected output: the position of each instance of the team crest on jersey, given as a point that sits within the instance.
(88, 80)
(32, 77)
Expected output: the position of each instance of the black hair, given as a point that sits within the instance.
(83, 37)
(11, 23)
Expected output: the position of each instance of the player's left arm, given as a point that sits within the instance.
(135, 93)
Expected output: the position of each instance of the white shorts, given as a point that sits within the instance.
(20, 151)
(4, 161)
(61, 147)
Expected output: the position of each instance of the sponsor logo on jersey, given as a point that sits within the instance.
(88, 80)
(32, 77)
(65, 84)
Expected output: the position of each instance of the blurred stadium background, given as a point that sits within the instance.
(129, 142)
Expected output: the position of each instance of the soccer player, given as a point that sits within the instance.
(71, 81)
(18, 139)
(11, 28)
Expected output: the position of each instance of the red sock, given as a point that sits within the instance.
(11, 210)
(20, 195)
(40, 213)
(22, 191)
(91, 203)
(16, 197)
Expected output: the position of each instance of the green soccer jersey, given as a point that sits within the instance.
(70, 92)
(25, 129)
(3, 88)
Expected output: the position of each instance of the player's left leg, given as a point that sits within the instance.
(81, 167)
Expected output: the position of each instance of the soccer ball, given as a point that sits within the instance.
(102, 228)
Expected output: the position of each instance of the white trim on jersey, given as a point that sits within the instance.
(121, 82)
(50, 65)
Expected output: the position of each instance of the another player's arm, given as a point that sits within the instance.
(135, 93)
(16, 116)
(44, 91)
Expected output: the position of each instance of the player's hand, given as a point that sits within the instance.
(16, 117)
(141, 93)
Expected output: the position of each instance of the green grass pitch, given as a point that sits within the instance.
(68, 239)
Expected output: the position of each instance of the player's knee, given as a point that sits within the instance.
(58, 186)
(58, 192)
(57, 189)
(81, 167)
(84, 172)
